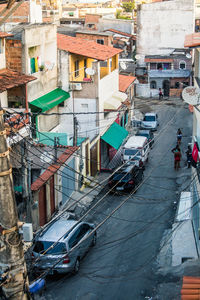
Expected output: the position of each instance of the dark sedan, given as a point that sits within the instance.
(126, 178)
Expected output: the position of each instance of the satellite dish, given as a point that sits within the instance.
(137, 56)
(188, 55)
(46, 157)
(90, 71)
(123, 65)
(191, 95)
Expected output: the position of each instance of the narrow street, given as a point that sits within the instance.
(123, 263)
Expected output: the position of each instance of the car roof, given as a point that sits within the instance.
(57, 230)
(143, 132)
(135, 142)
(126, 169)
(150, 114)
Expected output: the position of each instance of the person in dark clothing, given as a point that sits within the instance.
(177, 157)
(189, 156)
(179, 136)
(160, 94)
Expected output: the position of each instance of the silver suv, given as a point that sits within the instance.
(150, 121)
(52, 249)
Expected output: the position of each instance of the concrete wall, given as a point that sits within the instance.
(121, 25)
(4, 99)
(47, 123)
(162, 26)
(2, 55)
(143, 90)
(40, 40)
(93, 37)
(63, 70)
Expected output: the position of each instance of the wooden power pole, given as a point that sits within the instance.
(12, 261)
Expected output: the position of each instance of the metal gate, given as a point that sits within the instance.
(68, 180)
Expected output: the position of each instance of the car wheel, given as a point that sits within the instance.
(94, 240)
(76, 266)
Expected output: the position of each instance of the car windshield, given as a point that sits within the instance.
(143, 134)
(131, 151)
(122, 176)
(42, 246)
(149, 118)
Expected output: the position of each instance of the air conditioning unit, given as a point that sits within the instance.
(75, 86)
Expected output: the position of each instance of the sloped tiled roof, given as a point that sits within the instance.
(125, 82)
(10, 79)
(20, 15)
(4, 34)
(52, 169)
(122, 33)
(85, 48)
(192, 40)
(157, 60)
(190, 288)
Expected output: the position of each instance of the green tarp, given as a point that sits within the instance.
(115, 135)
(49, 100)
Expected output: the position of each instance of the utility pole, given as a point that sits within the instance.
(12, 261)
(75, 122)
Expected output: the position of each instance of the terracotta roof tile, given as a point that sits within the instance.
(10, 79)
(85, 48)
(125, 81)
(192, 40)
(190, 288)
(42, 179)
(20, 15)
(4, 34)
(157, 60)
(122, 33)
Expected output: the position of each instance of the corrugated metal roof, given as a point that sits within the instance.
(169, 73)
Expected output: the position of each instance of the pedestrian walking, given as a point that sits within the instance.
(177, 157)
(160, 94)
(189, 156)
(179, 136)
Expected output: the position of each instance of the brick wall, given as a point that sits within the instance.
(175, 93)
(20, 15)
(93, 37)
(14, 55)
(92, 19)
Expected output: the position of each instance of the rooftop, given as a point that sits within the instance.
(10, 79)
(4, 34)
(87, 48)
(122, 33)
(93, 32)
(125, 82)
(192, 40)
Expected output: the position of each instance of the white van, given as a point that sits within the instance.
(136, 150)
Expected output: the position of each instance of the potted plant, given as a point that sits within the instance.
(41, 68)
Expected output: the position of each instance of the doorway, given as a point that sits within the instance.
(166, 88)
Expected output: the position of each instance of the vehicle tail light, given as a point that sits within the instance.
(110, 182)
(131, 182)
(66, 260)
(32, 255)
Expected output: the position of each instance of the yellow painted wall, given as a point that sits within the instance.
(114, 63)
(80, 58)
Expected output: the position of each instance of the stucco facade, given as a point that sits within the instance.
(162, 26)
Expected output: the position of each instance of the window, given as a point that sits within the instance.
(76, 68)
(152, 66)
(167, 66)
(1, 46)
(177, 85)
(182, 65)
(159, 66)
(85, 67)
(153, 85)
(100, 41)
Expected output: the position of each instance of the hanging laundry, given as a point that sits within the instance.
(36, 65)
(32, 62)
(195, 155)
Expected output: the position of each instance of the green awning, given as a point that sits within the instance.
(49, 100)
(115, 135)
(47, 138)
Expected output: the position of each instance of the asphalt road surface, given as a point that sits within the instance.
(122, 265)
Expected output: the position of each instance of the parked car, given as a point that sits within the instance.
(126, 178)
(136, 150)
(63, 235)
(150, 121)
(148, 134)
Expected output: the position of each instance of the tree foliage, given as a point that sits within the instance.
(128, 6)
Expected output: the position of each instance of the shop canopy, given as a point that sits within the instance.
(49, 100)
(115, 135)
